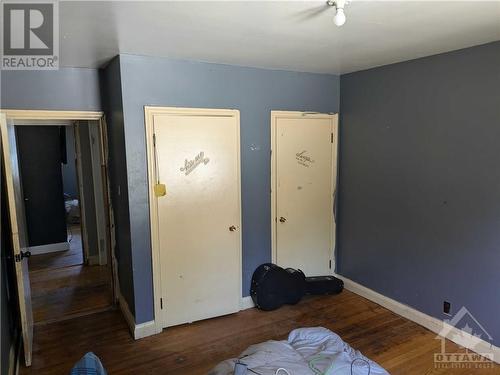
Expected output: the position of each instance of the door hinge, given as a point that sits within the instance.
(331, 138)
(154, 140)
(330, 264)
(161, 303)
(23, 254)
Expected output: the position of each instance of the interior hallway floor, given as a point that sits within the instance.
(63, 287)
(399, 345)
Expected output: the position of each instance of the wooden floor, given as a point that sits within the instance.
(60, 259)
(402, 347)
(62, 287)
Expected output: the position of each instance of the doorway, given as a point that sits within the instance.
(67, 275)
(303, 180)
(58, 200)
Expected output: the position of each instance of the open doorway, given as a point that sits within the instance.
(60, 215)
(58, 168)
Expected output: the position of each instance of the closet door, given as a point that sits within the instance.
(198, 206)
(304, 176)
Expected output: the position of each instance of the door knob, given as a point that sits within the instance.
(232, 228)
(282, 219)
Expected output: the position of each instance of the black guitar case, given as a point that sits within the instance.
(273, 286)
(323, 285)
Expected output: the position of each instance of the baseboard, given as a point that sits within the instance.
(435, 325)
(93, 260)
(246, 303)
(49, 248)
(138, 331)
(145, 329)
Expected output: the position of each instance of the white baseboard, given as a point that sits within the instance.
(49, 248)
(246, 303)
(437, 326)
(138, 331)
(145, 329)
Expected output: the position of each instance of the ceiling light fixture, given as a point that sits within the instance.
(339, 5)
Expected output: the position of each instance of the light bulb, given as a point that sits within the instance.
(339, 18)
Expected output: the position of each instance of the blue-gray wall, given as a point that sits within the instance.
(63, 89)
(419, 197)
(255, 92)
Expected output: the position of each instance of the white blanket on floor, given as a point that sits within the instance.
(308, 351)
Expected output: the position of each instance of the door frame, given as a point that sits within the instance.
(275, 115)
(149, 113)
(62, 117)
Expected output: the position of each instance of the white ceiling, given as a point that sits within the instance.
(287, 35)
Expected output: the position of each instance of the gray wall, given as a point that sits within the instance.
(419, 198)
(63, 89)
(70, 182)
(255, 92)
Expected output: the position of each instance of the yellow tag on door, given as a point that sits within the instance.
(160, 190)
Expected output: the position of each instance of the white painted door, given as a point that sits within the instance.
(19, 233)
(304, 168)
(199, 231)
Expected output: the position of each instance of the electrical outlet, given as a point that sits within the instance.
(447, 307)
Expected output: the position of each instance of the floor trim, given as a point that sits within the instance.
(246, 303)
(49, 248)
(138, 331)
(435, 325)
(93, 260)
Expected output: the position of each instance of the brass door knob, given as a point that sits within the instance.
(282, 219)
(232, 228)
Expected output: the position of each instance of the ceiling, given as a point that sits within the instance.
(288, 35)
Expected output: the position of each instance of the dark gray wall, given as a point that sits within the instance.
(63, 89)
(70, 182)
(39, 149)
(255, 92)
(112, 102)
(419, 198)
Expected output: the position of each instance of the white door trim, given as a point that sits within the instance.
(149, 113)
(275, 115)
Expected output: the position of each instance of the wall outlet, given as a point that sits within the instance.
(447, 308)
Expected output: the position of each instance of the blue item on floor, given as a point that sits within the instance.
(90, 364)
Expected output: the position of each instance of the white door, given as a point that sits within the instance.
(304, 179)
(199, 231)
(19, 233)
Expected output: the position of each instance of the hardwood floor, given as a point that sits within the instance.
(62, 287)
(72, 257)
(401, 346)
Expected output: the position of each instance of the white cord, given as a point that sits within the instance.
(282, 369)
